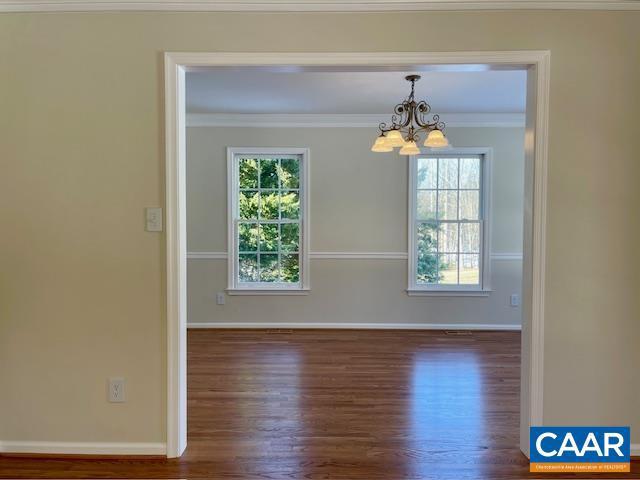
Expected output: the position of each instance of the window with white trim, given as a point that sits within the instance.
(268, 214)
(448, 205)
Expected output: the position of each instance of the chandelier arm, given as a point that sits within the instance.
(422, 108)
(404, 113)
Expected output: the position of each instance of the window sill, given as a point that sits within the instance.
(416, 292)
(267, 291)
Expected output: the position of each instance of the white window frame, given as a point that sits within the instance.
(484, 288)
(234, 287)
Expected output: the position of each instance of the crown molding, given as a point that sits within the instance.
(309, 5)
(295, 120)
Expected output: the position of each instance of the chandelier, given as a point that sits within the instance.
(407, 122)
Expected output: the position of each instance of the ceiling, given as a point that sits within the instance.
(258, 90)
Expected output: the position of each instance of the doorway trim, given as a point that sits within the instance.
(537, 64)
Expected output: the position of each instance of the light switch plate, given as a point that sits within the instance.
(154, 219)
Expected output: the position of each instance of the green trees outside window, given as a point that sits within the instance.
(269, 219)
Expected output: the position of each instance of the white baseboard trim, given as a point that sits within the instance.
(357, 326)
(83, 448)
(635, 449)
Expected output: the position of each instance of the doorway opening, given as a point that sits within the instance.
(533, 69)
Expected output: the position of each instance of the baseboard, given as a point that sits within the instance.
(357, 326)
(83, 448)
(635, 449)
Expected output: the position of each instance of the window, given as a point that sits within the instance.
(268, 218)
(448, 233)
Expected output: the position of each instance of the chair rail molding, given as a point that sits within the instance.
(516, 257)
(308, 5)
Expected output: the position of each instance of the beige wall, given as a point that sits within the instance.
(358, 204)
(81, 142)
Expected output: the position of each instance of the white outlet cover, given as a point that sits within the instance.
(514, 300)
(220, 298)
(116, 390)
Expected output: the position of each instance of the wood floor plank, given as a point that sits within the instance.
(337, 404)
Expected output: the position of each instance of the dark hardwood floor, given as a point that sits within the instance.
(337, 405)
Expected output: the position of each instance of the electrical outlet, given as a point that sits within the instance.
(514, 300)
(220, 298)
(116, 390)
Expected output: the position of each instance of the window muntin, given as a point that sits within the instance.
(268, 216)
(447, 222)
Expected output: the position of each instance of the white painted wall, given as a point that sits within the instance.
(358, 204)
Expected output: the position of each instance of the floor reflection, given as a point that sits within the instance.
(446, 410)
(272, 419)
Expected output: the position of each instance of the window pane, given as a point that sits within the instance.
(269, 206)
(290, 237)
(470, 269)
(469, 204)
(248, 173)
(248, 205)
(290, 269)
(448, 238)
(289, 173)
(448, 269)
(427, 238)
(268, 237)
(268, 267)
(470, 237)
(447, 173)
(447, 205)
(269, 173)
(426, 205)
(248, 237)
(248, 267)
(268, 218)
(290, 205)
(470, 173)
(427, 173)
(427, 268)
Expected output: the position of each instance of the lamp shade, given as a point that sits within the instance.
(409, 148)
(436, 139)
(394, 138)
(380, 145)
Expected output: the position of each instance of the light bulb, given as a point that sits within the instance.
(436, 139)
(380, 145)
(409, 148)
(394, 138)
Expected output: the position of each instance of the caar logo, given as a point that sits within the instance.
(579, 449)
